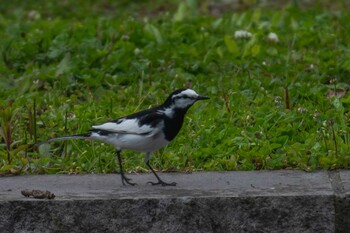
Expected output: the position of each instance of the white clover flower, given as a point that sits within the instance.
(316, 115)
(125, 37)
(33, 15)
(137, 51)
(272, 37)
(278, 99)
(241, 34)
(324, 123)
(71, 116)
(302, 110)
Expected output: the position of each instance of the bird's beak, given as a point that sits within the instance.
(200, 97)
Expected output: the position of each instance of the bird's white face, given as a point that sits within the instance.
(185, 98)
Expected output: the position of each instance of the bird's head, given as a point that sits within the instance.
(183, 98)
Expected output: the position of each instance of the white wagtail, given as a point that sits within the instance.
(144, 131)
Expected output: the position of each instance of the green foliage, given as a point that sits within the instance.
(60, 73)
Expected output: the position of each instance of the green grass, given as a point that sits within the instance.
(272, 103)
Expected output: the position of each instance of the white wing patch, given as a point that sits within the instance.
(132, 141)
(124, 126)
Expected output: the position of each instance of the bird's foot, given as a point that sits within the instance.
(126, 180)
(160, 182)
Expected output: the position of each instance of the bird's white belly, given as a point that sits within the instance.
(135, 142)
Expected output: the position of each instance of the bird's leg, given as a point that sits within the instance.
(160, 182)
(124, 178)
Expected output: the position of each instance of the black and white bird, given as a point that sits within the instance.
(144, 131)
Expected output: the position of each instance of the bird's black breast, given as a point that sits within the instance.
(173, 125)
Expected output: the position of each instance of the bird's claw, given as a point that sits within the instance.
(160, 182)
(127, 180)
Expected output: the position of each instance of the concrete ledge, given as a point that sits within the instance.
(253, 201)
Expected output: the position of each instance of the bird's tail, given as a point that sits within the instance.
(77, 136)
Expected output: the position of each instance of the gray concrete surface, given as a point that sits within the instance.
(252, 201)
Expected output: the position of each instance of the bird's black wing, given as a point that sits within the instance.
(143, 122)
